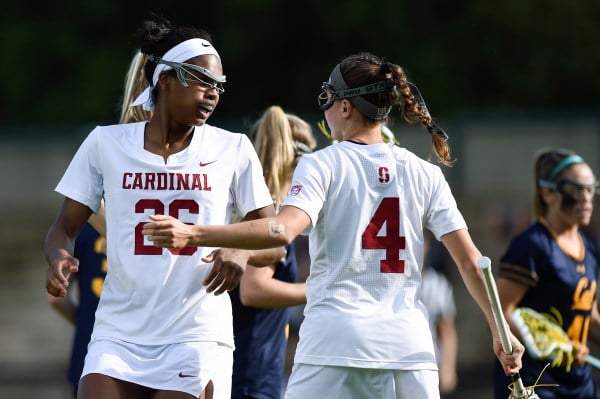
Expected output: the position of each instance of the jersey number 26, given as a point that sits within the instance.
(159, 209)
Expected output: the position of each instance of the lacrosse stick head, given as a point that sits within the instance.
(529, 394)
(543, 339)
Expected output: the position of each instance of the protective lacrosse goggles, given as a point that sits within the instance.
(329, 95)
(189, 72)
(571, 187)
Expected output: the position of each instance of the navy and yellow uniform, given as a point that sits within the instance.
(89, 249)
(560, 286)
(260, 341)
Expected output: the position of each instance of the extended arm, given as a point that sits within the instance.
(264, 257)
(271, 232)
(168, 232)
(465, 255)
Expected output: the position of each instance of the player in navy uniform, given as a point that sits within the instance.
(261, 301)
(261, 340)
(552, 268)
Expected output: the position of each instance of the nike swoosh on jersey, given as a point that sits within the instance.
(181, 375)
(202, 164)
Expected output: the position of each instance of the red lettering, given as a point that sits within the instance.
(162, 181)
(183, 181)
(149, 181)
(165, 181)
(126, 175)
(196, 185)
(137, 181)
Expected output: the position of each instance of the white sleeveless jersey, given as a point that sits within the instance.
(151, 295)
(368, 205)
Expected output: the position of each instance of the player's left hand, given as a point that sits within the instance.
(167, 232)
(580, 352)
(228, 267)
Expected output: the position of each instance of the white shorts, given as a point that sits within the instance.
(184, 367)
(331, 382)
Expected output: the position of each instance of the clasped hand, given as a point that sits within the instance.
(228, 264)
(167, 232)
(511, 363)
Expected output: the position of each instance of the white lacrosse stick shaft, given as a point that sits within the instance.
(485, 265)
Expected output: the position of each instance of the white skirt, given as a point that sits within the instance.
(184, 367)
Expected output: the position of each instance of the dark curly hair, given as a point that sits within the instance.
(158, 35)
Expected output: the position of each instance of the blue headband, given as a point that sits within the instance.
(570, 160)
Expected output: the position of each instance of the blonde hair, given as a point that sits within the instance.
(276, 136)
(135, 83)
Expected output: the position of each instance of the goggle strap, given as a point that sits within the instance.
(556, 185)
(367, 108)
(547, 184)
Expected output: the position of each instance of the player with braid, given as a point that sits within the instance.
(164, 325)
(552, 268)
(365, 204)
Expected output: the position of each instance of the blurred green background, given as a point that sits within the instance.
(63, 62)
(504, 79)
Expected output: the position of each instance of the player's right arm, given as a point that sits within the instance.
(60, 243)
(264, 257)
(465, 255)
(229, 264)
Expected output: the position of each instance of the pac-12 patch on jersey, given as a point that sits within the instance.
(295, 190)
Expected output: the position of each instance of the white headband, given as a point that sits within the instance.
(180, 53)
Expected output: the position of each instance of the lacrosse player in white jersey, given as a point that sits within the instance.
(163, 329)
(364, 203)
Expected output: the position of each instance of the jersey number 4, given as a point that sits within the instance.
(387, 212)
(159, 209)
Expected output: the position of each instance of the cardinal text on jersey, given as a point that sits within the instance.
(165, 181)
